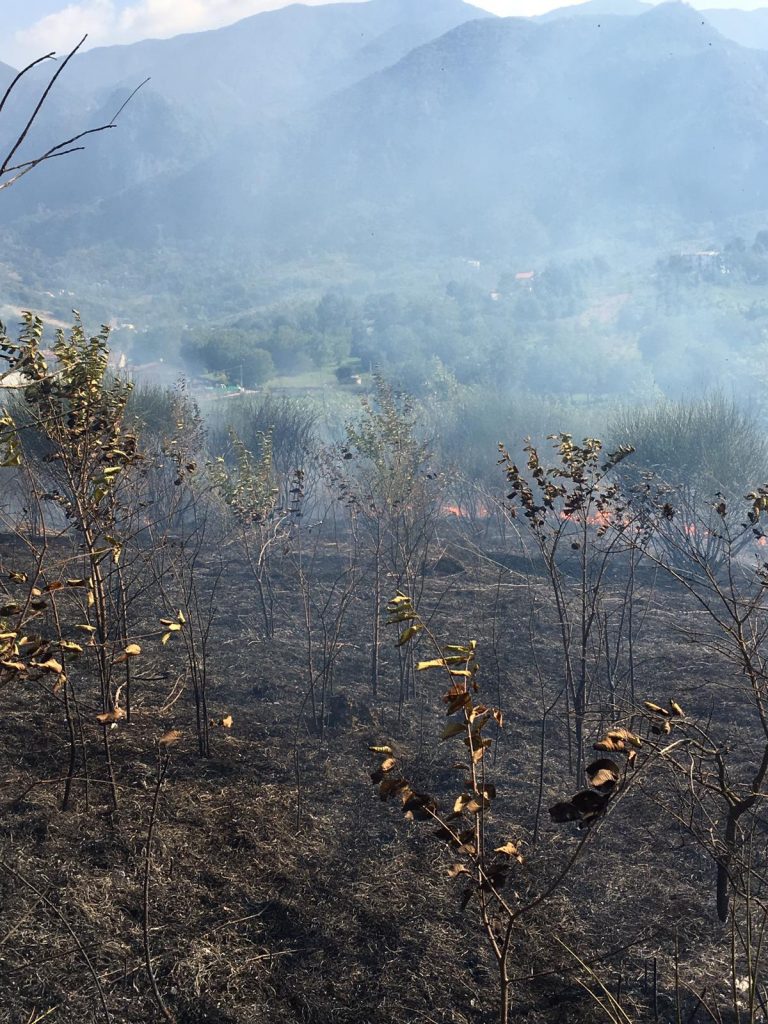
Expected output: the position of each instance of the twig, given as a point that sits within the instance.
(162, 770)
(52, 907)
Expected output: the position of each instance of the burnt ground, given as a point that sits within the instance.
(280, 887)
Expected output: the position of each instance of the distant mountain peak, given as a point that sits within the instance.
(624, 8)
(673, 29)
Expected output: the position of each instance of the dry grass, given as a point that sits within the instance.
(344, 914)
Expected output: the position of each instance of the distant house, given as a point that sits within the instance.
(525, 279)
(701, 260)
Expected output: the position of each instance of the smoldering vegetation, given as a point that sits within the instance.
(301, 725)
(404, 660)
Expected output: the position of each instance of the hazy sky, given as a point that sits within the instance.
(29, 28)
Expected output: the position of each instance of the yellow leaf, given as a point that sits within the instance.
(381, 750)
(51, 665)
(676, 709)
(182, 620)
(70, 645)
(85, 627)
(226, 722)
(409, 633)
(655, 708)
(132, 650)
(510, 849)
(165, 638)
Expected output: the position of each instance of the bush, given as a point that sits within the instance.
(292, 425)
(707, 445)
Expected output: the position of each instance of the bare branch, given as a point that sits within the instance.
(33, 116)
(12, 86)
(61, 148)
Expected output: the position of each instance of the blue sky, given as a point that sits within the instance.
(33, 27)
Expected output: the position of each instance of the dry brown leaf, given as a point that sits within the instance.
(461, 700)
(564, 811)
(170, 737)
(655, 708)
(589, 804)
(115, 715)
(390, 786)
(452, 729)
(461, 802)
(624, 735)
(510, 849)
(457, 869)
(603, 773)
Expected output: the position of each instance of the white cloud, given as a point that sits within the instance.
(108, 22)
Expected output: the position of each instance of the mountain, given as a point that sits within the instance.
(749, 28)
(500, 136)
(597, 8)
(503, 133)
(271, 63)
(206, 86)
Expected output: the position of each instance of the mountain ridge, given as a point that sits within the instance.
(500, 134)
